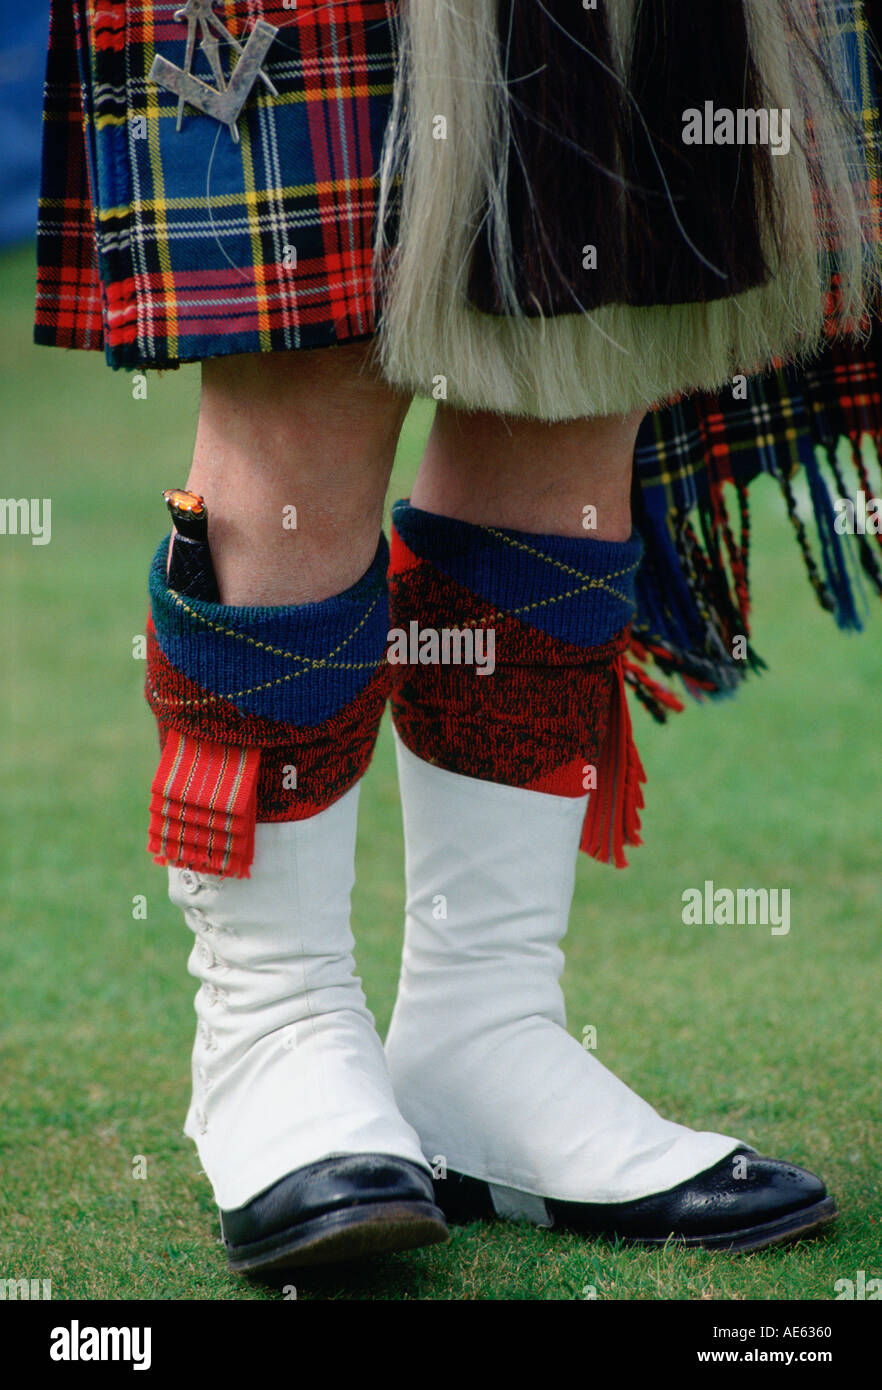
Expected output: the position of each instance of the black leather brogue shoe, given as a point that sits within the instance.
(344, 1208)
(742, 1203)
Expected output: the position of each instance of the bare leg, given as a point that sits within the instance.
(528, 475)
(311, 430)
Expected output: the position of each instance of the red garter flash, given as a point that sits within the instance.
(221, 771)
(203, 806)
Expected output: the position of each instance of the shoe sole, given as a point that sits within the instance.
(337, 1237)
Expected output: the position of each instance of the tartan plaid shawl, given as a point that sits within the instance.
(163, 246)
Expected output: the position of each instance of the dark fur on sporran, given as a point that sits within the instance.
(595, 161)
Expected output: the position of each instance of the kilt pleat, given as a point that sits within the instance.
(204, 246)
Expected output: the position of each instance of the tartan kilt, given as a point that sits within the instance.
(164, 247)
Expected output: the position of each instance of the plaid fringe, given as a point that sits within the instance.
(694, 464)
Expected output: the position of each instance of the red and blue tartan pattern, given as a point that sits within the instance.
(165, 247)
(693, 590)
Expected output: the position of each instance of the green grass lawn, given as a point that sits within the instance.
(774, 1039)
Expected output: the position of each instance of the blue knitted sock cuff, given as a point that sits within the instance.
(298, 664)
(578, 589)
